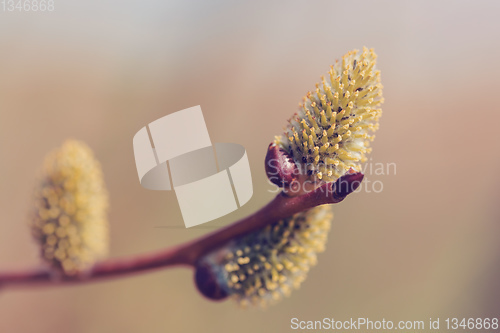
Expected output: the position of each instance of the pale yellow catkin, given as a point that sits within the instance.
(266, 265)
(332, 130)
(70, 217)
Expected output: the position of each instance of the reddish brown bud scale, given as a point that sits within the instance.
(280, 167)
(347, 184)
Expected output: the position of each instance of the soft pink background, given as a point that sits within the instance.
(426, 246)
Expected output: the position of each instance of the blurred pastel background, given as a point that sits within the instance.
(425, 246)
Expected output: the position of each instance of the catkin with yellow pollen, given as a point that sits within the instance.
(71, 201)
(262, 267)
(333, 128)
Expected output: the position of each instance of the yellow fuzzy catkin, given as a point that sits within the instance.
(335, 123)
(71, 201)
(262, 267)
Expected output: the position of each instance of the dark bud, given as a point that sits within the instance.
(280, 167)
(347, 184)
(207, 283)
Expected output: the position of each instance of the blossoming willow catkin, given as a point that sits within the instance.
(71, 201)
(331, 131)
(262, 267)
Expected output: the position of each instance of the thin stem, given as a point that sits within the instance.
(188, 254)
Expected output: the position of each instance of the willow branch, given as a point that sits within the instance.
(282, 206)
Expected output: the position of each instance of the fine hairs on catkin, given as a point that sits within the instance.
(332, 130)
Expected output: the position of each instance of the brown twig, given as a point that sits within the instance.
(282, 206)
